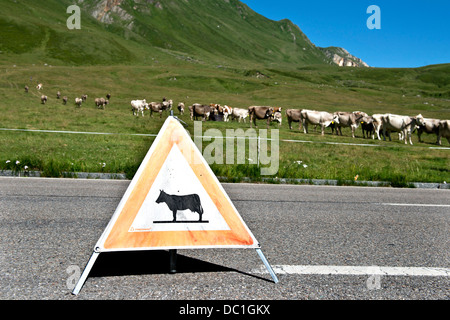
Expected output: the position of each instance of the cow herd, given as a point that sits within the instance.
(99, 102)
(375, 126)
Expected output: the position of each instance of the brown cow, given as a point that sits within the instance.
(216, 110)
(100, 102)
(199, 110)
(65, 100)
(26, 89)
(260, 113)
(294, 115)
(367, 127)
(444, 131)
(43, 99)
(58, 95)
(156, 108)
(348, 119)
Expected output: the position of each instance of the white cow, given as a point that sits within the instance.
(227, 112)
(39, 86)
(321, 118)
(78, 101)
(239, 114)
(277, 117)
(139, 106)
(431, 127)
(167, 105)
(181, 107)
(402, 124)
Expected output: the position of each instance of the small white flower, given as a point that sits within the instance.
(17, 162)
(305, 166)
(8, 161)
(26, 167)
(104, 164)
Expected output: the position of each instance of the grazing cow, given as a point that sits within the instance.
(84, 97)
(367, 127)
(240, 114)
(348, 119)
(26, 89)
(101, 102)
(78, 101)
(276, 109)
(65, 100)
(378, 123)
(138, 106)
(216, 112)
(181, 107)
(43, 99)
(444, 131)
(260, 113)
(431, 127)
(108, 96)
(199, 110)
(321, 118)
(227, 112)
(403, 124)
(294, 115)
(39, 86)
(215, 108)
(155, 107)
(58, 95)
(167, 104)
(277, 117)
(176, 203)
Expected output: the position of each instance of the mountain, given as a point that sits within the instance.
(343, 58)
(221, 32)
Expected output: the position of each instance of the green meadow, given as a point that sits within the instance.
(123, 149)
(213, 52)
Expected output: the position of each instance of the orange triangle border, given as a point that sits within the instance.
(116, 236)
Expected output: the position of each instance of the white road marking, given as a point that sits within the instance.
(78, 132)
(358, 270)
(415, 204)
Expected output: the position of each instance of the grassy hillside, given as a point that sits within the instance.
(205, 31)
(196, 51)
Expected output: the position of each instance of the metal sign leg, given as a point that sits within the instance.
(266, 263)
(173, 261)
(85, 274)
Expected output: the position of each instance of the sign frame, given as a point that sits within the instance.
(113, 238)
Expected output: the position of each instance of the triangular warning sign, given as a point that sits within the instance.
(175, 201)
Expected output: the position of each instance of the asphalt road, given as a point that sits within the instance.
(49, 227)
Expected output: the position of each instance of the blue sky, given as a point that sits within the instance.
(413, 33)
